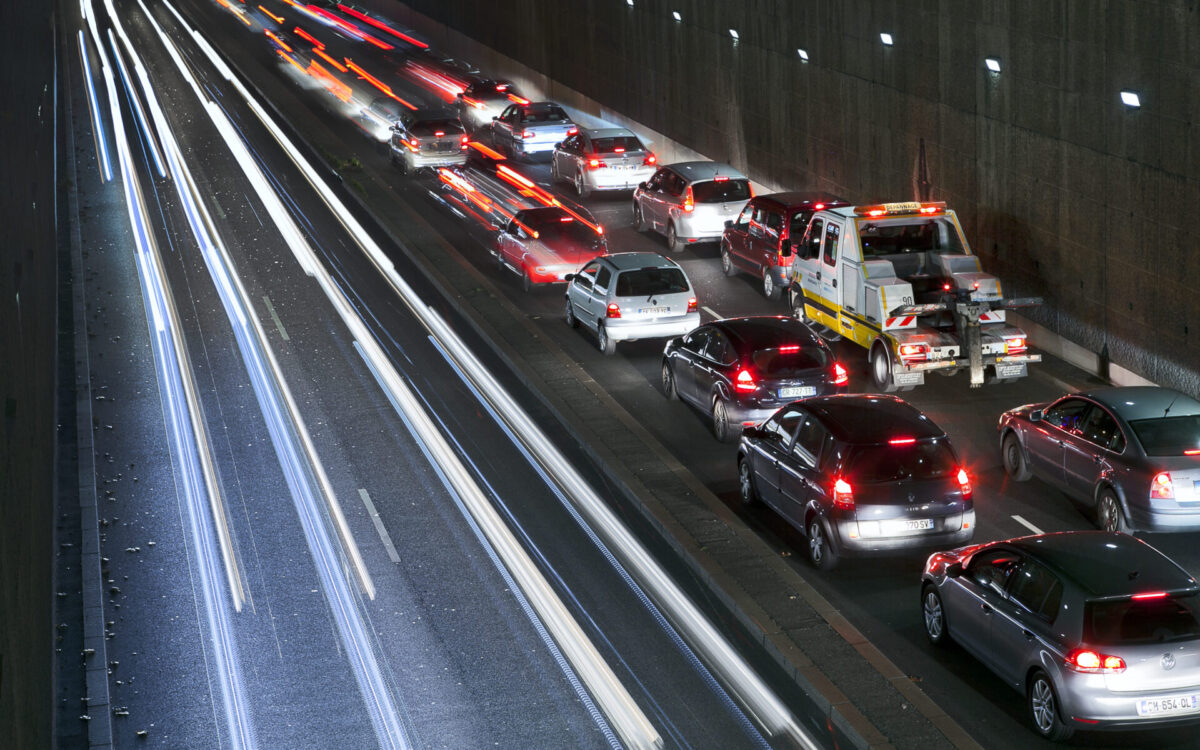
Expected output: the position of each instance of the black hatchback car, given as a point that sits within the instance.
(858, 474)
(741, 370)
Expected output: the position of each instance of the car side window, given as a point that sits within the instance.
(587, 276)
(602, 278)
(993, 568)
(780, 428)
(695, 341)
(773, 220)
(1067, 414)
(719, 348)
(813, 238)
(1100, 428)
(808, 441)
(743, 219)
(832, 232)
(1036, 589)
(675, 184)
(799, 223)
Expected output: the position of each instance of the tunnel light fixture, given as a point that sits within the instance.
(676, 16)
(993, 64)
(1131, 99)
(733, 33)
(629, 3)
(803, 54)
(886, 38)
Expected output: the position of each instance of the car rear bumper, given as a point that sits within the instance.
(616, 179)
(534, 146)
(855, 538)
(448, 159)
(631, 330)
(1156, 520)
(1086, 699)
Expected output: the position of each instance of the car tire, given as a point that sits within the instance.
(1041, 700)
(821, 553)
(674, 245)
(727, 266)
(526, 280)
(606, 345)
(571, 319)
(796, 302)
(1109, 515)
(881, 369)
(747, 492)
(1013, 456)
(581, 187)
(770, 289)
(668, 382)
(934, 615)
(402, 165)
(639, 220)
(723, 430)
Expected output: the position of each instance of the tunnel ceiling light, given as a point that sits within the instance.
(886, 38)
(993, 64)
(803, 54)
(733, 33)
(1131, 99)
(629, 3)
(676, 16)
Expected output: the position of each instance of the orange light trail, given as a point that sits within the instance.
(333, 85)
(381, 26)
(341, 68)
(376, 83)
(292, 60)
(277, 19)
(448, 86)
(305, 35)
(488, 152)
(278, 41)
(349, 28)
(527, 187)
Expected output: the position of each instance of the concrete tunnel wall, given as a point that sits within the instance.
(1063, 191)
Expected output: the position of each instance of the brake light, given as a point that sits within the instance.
(502, 87)
(720, 179)
(964, 484)
(573, 131)
(465, 139)
(902, 441)
(619, 150)
(789, 348)
(840, 376)
(1161, 486)
(1086, 660)
(744, 381)
(595, 164)
(473, 102)
(565, 218)
(1150, 595)
(527, 134)
(843, 494)
(689, 201)
(913, 352)
(439, 133)
(1192, 452)
(650, 160)
(693, 305)
(465, 143)
(876, 212)
(819, 207)
(414, 145)
(613, 311)
(1015, 345)
(929, 209)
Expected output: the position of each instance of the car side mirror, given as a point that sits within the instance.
(728, 223)
(786, 248)
(954, 570)
(568, 277)
(751, 432)
(558, 145)
(1037, 415)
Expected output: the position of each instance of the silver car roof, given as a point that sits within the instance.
(625, 261)
(1145, 402)
(607, 132)
(705, 170)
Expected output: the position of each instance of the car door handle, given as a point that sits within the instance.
(818, 275)
(987, 608)
(834, 282)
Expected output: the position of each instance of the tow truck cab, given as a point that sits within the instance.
(899, 279)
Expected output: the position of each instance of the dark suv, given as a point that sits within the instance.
(858, 474)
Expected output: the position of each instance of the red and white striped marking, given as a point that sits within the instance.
(904, 321)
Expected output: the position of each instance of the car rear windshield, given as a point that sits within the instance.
(622, 142)
(928, 459)
(777, 364)
(544, 113)
(426, 128)
(568, 232)
(1127, 622)
(897, 236)
(721, 191)
(1168, 436)
(646, 282)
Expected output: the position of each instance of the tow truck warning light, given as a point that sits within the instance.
(900, 209)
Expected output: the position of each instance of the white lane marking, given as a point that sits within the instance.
(275, 317)
(711, 312)
(1027, 524)
(383, 533)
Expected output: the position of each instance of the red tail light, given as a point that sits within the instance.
(840, 376)
(1014, 345)
(573, 131)
(465, 139)
(619, 150)
(1150, 595)
(693, 305)
(439, 133)
(1191, 452)
(1086, 660)
(527, 134)
(720, 179)
(613, 311)
(819, 207)
(902, 441)
(843, 494)
(744, 381)
(650, 160)
(964, 484)
(913, 353)
(595, 164)
(414, 145)
(689, 201)
(1161, 486)
(789, 348)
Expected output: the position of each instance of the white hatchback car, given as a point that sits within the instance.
(631, 296)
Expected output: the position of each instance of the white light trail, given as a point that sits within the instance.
(97, 124)
(147, 134)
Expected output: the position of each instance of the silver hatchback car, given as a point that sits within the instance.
(1097, 630)
(602, 159)
(631, 296)
(690, 201)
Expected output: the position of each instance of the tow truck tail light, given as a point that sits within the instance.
(1015, 345)
(840, 376)
(466, 140)
(843, 494)
(964, 484)
(1161, 486)
(595, 164)
(693, 305)
(689, 201)
(613, 311)
(439, 133)
(1086, 660)
(650, 160)
(414, 145)
(744, 381)
(913, 353)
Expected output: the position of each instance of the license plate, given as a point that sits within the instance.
(654, 310)
(1173, 704)
(800, 391)
(917, 524)
(1010, 371)
(908, 378)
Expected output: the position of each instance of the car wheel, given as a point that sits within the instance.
(722, 428)
(727, 266)
(934, 615)
(820, 550)
(1014, 458)
(581, 186)
(668, 382)
(881, 369)
(571, 319)
(1042, 702)
(1109, 515)
(796, 299)
(607, 345)
(526, 280)
(673, 243)
(746, 489)
(770, 289)
(402, 165)
(639, 221)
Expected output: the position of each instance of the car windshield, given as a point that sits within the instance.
(909, 235)
(789, 362)
(617, 144)
(1126, 622)
(568, 232)
(426, 128)
(645, 282)
(1168, 436)
(544, 113)
(721, 191)
(927, 459)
